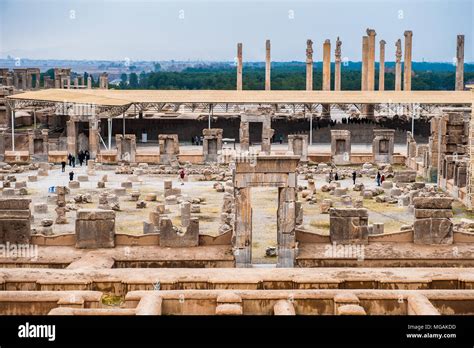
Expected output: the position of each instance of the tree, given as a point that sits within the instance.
(133, 81)
(124, 80)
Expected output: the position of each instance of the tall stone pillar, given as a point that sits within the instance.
(242, 238)
(267, 134)
(460, 63)
(71, 136)
(365, 52)
(244, 135)
(309, 65)
(398, 65)
(93, 138)
(326, 75)
(268, 63)
(327, 66)
(239, 66)
(337, 65)
(407, 61)
(371, 60)
(382, 66)
(286, 217)
(89, 82)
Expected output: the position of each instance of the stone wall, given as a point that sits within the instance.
(433, 220)
(15, 221)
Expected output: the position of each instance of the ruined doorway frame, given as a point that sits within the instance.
(266, 171)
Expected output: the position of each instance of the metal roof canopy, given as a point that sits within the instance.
(122, 98)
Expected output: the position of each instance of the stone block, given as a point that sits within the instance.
(150, 197)
(40, 208)
(433, 213)
(74, 184)
(433, 202)
(348, 225)
(8, 192)
(126, 184)
(120, 191)
(387, 184)
(32, 178)
(171, 237)
(95, 228)
(82, 178)
(378, 228)
(340, 191)
(433, 231)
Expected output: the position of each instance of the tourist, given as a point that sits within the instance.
(378, 178)
(63, 166)
(192, 140)
(354, 176)
(80, 156)
(73, 160)
(330, 176)
(71, 175)
(181, 176)
(281, 139)
(87, 155)
(382, 179)
(69, 159)
(201, 140)
(336, 177)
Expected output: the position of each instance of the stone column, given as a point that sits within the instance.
(267, 134)
(398, 65)
(407, 61)
(45, 137)
(242, 238)
(71, 136)
(460, 63)
(239, 66)
(365, 52)
(371, 60)
(244, 135)
(337, 66)
(326, 75)
(185, 214)
(309, 65)
(93, 138)
(382, 66)
(268, 63)
(286, 217)
(89, 82)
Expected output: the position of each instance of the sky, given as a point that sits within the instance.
(209, 30)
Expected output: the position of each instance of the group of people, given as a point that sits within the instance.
(380, 178)
(197, 140)
(82, 156)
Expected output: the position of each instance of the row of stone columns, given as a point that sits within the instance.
(368, 64)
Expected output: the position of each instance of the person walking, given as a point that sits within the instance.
(71, 175)
(330, 176)
(336, 177)
(63, 166)
(73, 161)
(382, 179)
(378, 178)
(181, 176)
(81, 157)
(354, 176)
(69, 159)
